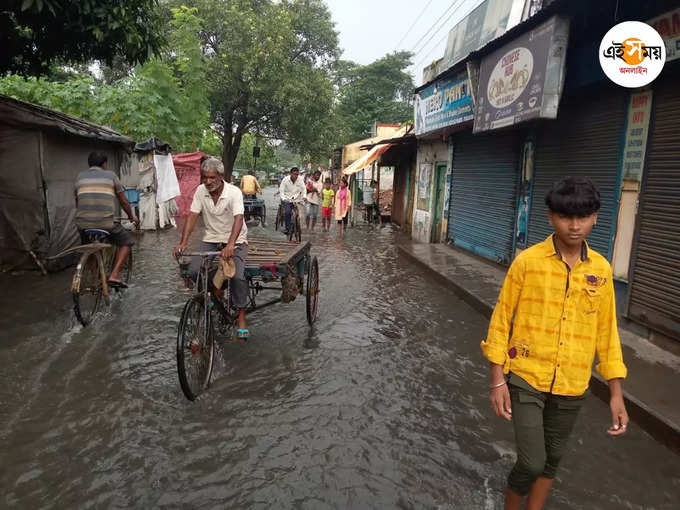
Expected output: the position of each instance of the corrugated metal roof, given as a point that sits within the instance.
(22, 113)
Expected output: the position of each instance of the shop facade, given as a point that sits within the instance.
(541, 113)
(654, 276)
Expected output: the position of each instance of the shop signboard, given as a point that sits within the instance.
(668, 26)
(489, 20)
(523, 79)
(444, 103)
(637, 128)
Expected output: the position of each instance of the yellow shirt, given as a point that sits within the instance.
(327, 197)
(249, 185)
(559, 319)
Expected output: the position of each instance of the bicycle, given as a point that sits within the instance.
(267, 262)
(295, 230)
(89, 286)
(279, 217)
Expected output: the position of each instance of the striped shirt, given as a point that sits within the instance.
(96, 190)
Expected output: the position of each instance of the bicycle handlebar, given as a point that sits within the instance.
(199, 254)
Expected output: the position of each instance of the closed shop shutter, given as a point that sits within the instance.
(655, 284)
(483, 193)
(584, 141)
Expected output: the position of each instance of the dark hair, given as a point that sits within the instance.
(328, 181)
(97, 159)
(317, 172)
(574, 196)
(344, 179)
(294, 169)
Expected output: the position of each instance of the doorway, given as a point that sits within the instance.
(438, 213)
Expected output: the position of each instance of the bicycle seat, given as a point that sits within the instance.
(96, 234)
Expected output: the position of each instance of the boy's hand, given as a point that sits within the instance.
(500, 402)
(619, 416)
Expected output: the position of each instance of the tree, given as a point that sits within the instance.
(163, 97)
(378, 92)
(265, 161)
(269, 71)
(35, 33)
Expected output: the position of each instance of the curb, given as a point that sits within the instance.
(652, 422)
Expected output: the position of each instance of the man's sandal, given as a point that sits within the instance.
(242, 335)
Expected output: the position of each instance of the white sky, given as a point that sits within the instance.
(369, 29)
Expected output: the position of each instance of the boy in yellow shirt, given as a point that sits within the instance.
(555, 311)
(328, 200)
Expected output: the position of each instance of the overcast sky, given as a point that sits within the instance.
(370, 29)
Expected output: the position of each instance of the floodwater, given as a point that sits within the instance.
(382, 404)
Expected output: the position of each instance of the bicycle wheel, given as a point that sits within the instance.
(293, 225)
(298, 230)
(263, 218)
(279, 219)
(87, 287)
(312, 294)
(195, 348)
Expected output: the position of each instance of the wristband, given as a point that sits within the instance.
(493, 386)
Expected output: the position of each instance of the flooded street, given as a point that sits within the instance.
(382, 404)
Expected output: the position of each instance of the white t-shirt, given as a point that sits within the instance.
(315, 198)
(290, 190)
(219, 217)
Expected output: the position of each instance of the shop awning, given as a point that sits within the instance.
(366, 159)
(375, 152)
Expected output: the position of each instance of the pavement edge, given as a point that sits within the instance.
(652, 422)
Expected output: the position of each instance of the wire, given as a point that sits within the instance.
(435, 32)
(433, 25)
(417, 66)
(412, 25)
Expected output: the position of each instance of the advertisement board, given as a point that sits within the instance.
(444, 103)
(523, 79)
(668, 26)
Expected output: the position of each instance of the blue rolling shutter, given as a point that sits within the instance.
(483, 193)
(584, 141)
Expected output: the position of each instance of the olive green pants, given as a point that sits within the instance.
(543, 423)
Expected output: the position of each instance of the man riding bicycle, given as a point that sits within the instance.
(249, 185)
(96, 192)
(292, 190)
(221, 205)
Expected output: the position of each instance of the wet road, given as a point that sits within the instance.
(383, 404)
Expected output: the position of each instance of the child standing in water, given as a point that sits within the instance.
(343, 201)
(328, 200)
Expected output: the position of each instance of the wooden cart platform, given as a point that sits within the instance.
(265, 254)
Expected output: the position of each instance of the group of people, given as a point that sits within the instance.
(555, 311)
(315, 195)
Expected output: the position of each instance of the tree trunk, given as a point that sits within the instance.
(231, 145)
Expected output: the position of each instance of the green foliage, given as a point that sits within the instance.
(245, 159)
(163, 98)
(286, 157)
(378, 92)
(269, 71)
(36, 33)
